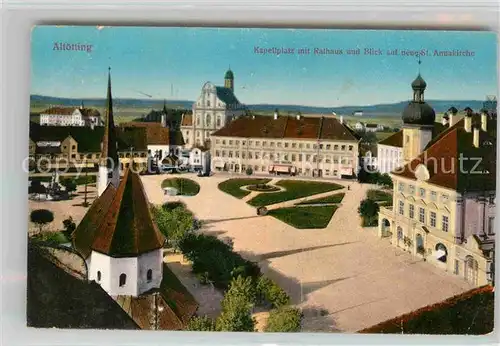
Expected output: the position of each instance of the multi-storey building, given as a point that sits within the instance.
(70, 116)
(309, 146)
(215, 107)
(444, 193)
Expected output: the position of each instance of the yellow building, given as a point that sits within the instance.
(444, 194)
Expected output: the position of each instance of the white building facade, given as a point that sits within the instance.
(70, 116)
(214, 108)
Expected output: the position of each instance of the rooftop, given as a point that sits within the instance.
(259, 126)
(119, 222)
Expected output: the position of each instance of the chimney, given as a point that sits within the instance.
(163, 120)
(468, 122)
(475, 137)
(484, 121)
(341, 119)
(275, 114)
(453, 115)
(298, 116)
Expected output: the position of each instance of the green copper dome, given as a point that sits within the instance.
(229, 74)
(419, 83)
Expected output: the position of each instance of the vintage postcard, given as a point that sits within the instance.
(262, 180)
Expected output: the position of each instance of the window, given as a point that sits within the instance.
(421, 193)
(411, 211)
(401, 207)
(73, 147)
(433, 196)
(342, 147)
(401, 187)
(301, 145)
(445, 223)
(237, 142)
(421, 215)
(123, 280)
(208, 103)
(407, 139)
(294, 145)
(218, 121)
(149, 275)
(230, 142)
(208, 120)
(308, 146)
(412, 189)
(328, 147)
(433, 219)
(110, 175)
(444, 198)
(264, 143)
(272, 144)
(321, 146)
(98, 275)
(491, 225)
(350, 147)
(217, 153)
(224, 142)
(293, 157)
(278, 144)
(335, 147)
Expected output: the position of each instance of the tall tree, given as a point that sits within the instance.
(236, 315)
(284, 320)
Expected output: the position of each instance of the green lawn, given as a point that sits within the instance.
(380, 196)
(185, 187)
(305, 217)
(51, 237)
(233, 186)
(293, 189)
(336, 198)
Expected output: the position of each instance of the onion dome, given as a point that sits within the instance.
(418, 112)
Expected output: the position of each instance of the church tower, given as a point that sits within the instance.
(229, 79)
(418, 122)
(109, 165)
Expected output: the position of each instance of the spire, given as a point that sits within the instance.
(108, 150)
(165, 106)
(82, 106)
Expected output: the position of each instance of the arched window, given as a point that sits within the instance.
(208, 120)
(441, 253)
(123, 279)
(420, 244)
(98, 275)
(198, 120)
(149, 275)
(218, 121)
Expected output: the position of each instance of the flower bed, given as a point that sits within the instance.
(263, 188)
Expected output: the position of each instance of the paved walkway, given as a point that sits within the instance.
(343, 276)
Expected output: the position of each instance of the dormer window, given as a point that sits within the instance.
(149, 275)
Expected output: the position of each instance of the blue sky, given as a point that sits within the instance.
(174, 63)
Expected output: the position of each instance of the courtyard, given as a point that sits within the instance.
(342, 276)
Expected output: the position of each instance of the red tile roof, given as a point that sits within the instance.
(59, 110)
(394, 325)
(119, 222)
(451, 161)
(287, 127)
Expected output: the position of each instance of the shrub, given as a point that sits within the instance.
(69, 226)
(236, 315)
(249, 171)
(285, 319)
(173, 223)
(69, 184)
(201, 324)
(243, 287)
(270, 293)
(41, 217)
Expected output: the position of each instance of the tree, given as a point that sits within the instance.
(284, 319)
(201, 324)
(174, 223)
(70, 185)
(37, 188)
(249, 171)
(236, 315)
(41, 217)
(386, 181)
(269, 292)
(69, 226)
(243, 287)
(368, 208)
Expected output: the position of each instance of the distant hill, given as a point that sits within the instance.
(389, 109)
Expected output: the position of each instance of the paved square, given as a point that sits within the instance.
(343, 276)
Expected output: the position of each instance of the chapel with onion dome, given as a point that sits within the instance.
(418, 121)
